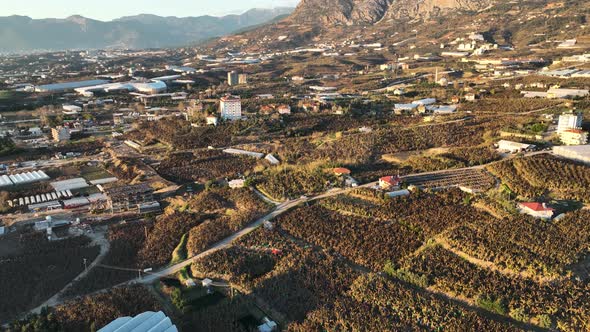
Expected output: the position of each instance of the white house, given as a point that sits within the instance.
(212, 120)
(537, 210)
(513, 147)
(71, 109)
(237, 183)
(389, 182)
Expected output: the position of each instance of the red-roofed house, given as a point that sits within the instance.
(389, 182)
(284, 109)
(537, 210)
(341, 171)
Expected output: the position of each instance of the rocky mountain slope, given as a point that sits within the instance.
(21, 34)
(412, 26)
(351, 12)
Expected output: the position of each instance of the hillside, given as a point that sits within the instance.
(405, 25)
(20, 33)
(352, 12)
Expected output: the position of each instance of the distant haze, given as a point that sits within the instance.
(20, 34)
(106, 10)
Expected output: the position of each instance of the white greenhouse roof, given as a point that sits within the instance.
(144, 322)
(65, 185)
(23, 178)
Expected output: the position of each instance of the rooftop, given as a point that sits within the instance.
(230, 98)
(127, 190)
(147, 321)
(539, 207)
(341, 170)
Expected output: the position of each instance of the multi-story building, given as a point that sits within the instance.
(129, 198)
(574, 137)
(230, 108)
(569, 120)
(233, 78)
(243, 79)
(60, 134)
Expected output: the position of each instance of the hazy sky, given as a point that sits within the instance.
(109, 9)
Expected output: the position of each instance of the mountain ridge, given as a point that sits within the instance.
(24, 34)
(350, 12)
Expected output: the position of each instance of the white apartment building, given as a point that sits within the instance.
(569, 121)
(574, 137)
(230, 108)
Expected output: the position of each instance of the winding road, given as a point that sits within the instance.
(279, 209)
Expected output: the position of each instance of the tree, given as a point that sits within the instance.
(6, 146)
(4, 198)
(178, 299)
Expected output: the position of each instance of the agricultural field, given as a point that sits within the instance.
(179, 134)
(561, 303)
(237, 209)
(89, 313)
(363, 149)
(125, 242)
(185, 229)
(546, 177)
(452, 158)
(367, 242)
(39, 268)
(325, 283)
(422, 246)
(510, 105)
(427, 214)
(285, 182)
(204, 166)
(532, 247)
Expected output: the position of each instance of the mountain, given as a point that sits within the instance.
(352, 12)
(411, 26)
(21, 33)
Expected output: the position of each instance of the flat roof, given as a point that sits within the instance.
(578, 150)
(127, 190)
(76, 183)
(70, 85)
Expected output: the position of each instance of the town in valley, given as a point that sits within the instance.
(344, 165)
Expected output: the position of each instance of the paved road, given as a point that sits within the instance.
(280, 209)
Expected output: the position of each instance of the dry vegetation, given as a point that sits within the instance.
(545, 175)
(39, 270)
(204, 166)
